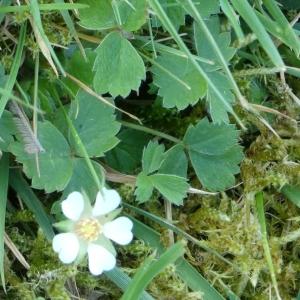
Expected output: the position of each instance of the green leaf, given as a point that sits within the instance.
(127, 155)
(20, 185)
(174, 11)
(149, 269)
(104, 15)
(207, 8)
(80, 68)
(157, 8)
(175, 162)
(55, 162)
(205, 49)
(172, 187)
(98, 16)
(292, 193)
(95, 123)
(217, 110)
(144, 188)
(4, 175)
(119, 68)
(152, 157)
(186, 90)
(214, 153)
(7, 129)
(82, 179)
(133, 16)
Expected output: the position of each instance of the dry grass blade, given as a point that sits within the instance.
(31, 143)
(12, 247)
(93, 93)
(43, 46)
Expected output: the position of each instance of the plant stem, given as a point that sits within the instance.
(151, 131)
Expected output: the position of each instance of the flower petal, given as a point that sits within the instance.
(73, 206)
(106, 202)
(100, 259)
(67, 247)
(119, 230)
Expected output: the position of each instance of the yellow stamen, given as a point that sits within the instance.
(88, 229)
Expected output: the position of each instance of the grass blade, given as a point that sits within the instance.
(280, 33)
(122, 280)
(150, 269)
(42, 38)
(3, 3)
(14, 69)
(159, 11)
(195, 13)
(247, 12)
(184, 270)
(259, 201)
(283, 23)
(179, 231)
(44, 7)
(69, 22)
(4, 175)
(233, 18)
(21, 187)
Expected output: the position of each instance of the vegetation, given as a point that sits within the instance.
(189, 109)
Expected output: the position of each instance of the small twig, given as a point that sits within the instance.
(12, 247)
(169, 217)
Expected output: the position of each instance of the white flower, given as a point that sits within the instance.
(91, 229)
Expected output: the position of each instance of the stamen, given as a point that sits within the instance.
(88, 229)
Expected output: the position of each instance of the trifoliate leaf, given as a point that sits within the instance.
(180, 84)
(218, 111)
(175, 162)
(127, 155)
(204, 48)
(95, 123)
(55, 162)
(214, 153)
(82, 179)
(153, 156)
(119, 68)
(174, 11)
(80, 68)
(173, 188)
(130, 15)
(7, 129)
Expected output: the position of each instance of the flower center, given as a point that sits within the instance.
(88, 229)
